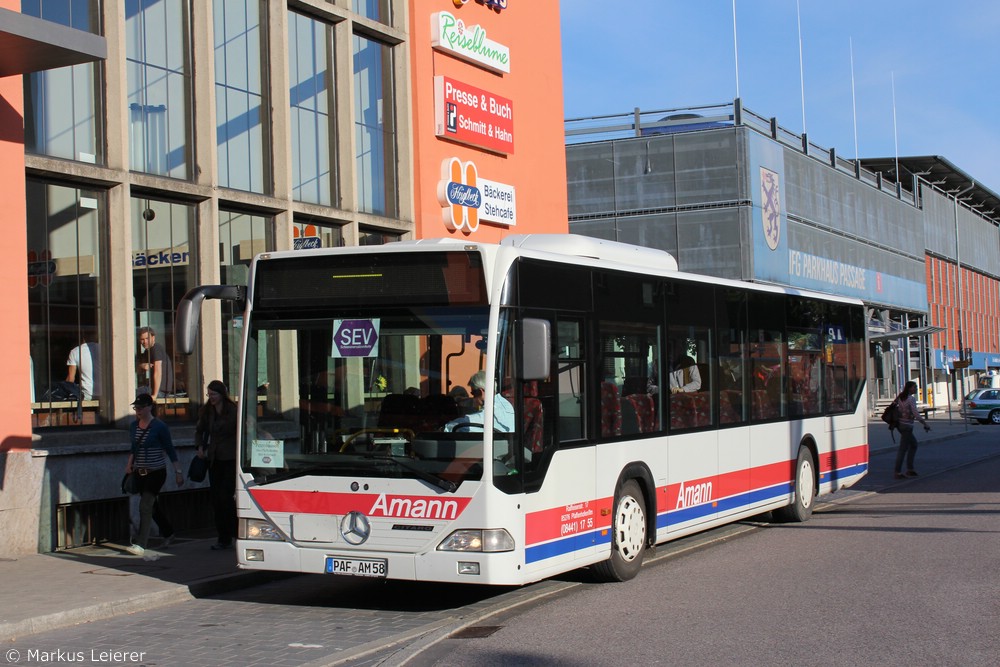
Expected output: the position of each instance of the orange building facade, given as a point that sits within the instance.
(431, 118)
(488, 146)
(15, 422)
(968, 305)
(27, 46)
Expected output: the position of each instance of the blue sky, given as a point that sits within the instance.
(663, 54)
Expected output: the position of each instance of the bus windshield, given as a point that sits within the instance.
(374, 392)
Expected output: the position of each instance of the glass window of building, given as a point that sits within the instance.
(375, 127)
(377, 10)
(240, 95)
(62, 108)
(376, 237)
(66, 301)
(241, 236)
(311, 89)
(310, 233)
(158, 60)
(162, 271)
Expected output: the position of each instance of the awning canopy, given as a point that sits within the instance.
(880, 336)
(943, 174)
(30, 44)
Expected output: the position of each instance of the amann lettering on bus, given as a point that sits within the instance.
(414, 507)
(693, 494)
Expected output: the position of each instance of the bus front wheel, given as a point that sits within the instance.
(804, 489)
(628, 536)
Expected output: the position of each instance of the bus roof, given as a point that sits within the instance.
(556, 246)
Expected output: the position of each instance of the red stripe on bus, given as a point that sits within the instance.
(557, 522)
(370, 504)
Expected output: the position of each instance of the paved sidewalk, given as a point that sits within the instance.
(43, 592)
(942, 428)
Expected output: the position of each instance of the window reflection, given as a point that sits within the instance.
(375, 127)
(377, 10)
(157, 46)
(241, 237)
(311, 82)
(240, 95)
(62, 110)
(162, 271)
(65, 304)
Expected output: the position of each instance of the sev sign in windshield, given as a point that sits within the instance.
(354, 338)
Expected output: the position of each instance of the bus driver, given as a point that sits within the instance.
(503, 411)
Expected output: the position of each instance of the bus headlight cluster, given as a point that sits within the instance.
(490, 540)
(257, 529)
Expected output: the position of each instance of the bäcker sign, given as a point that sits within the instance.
(473, 116)
(466, 198)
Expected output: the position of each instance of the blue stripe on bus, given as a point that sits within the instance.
(573, 543)
(755, 497)
(566, 545)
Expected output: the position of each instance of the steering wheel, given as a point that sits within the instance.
(465, 426)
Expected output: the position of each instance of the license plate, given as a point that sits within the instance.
(357, 567)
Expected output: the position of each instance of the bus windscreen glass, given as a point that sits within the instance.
(364, 392)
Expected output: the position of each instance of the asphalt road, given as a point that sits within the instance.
(907, 576)
(894, 573)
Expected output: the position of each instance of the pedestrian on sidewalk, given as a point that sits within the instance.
(152, 447)
(908, 415)
(215, 436)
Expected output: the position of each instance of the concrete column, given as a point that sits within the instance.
(118, 336)
(204, 155)
(343, 59)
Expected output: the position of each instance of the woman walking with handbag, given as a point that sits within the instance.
(908, 415)
(152, 447)
(215, 436)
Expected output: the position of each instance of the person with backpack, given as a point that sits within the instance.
(908, 414)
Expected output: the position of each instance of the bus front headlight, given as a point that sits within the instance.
(490, 540)
(258, 529)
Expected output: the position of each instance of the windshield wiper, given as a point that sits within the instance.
(402, 462)
(298, 472)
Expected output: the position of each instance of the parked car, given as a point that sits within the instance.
(983, 405)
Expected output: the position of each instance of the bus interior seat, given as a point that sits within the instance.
(435, 411)
(630, 420)
(611, 410)
(681, 411)
(534, 418)
(645, 411)
(701, 408)
(399, 411)
(763, 407)
(730, 406)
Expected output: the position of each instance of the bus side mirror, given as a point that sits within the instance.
(536, 346)
(189, 312)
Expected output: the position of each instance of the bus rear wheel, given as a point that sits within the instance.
(804, 484)
(628, 536)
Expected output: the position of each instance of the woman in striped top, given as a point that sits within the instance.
(151, 449)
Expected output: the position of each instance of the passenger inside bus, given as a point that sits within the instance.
(684, 374)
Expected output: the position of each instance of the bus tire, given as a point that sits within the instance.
(803, 488)
(628, 535)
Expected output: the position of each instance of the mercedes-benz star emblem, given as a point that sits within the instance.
(355, 528)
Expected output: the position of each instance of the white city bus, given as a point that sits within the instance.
(625, 404)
